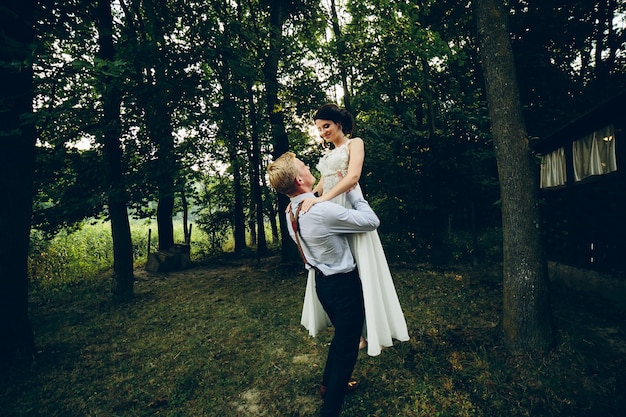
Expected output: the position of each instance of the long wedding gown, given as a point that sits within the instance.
(384, 320)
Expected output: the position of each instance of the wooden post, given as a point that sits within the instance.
(149, 240)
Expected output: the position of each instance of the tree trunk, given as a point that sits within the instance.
(606, 44)
(255, 175)
(186, 229)
(613, 40)
(527, 321)
(239, 232)
(229, 131)
(341, 56)
(272, 215)
(158, 121)
(429, 98)
(17, 164)
(601, 29)
(289, 252)
(165, 209)
(154, 100)
(123, 278)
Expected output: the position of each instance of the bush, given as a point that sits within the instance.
(456, 248)
(70, 255)
(87, 251)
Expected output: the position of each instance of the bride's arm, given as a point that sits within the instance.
(355, 167)
(307, 203)
(348, 182)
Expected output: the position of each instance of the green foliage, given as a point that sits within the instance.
(456, 248)
(415, 86)
(556, 57)
(73, 255)
(215, 214)
(422, 115)
(459, 249)
(69, 188)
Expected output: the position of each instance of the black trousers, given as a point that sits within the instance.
(341, 296)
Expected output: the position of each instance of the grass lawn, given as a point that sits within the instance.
(224, 339)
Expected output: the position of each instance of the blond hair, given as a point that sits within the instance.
(283, 172)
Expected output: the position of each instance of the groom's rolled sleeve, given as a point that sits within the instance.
(360, 219)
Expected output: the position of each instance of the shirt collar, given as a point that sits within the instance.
(295, 201)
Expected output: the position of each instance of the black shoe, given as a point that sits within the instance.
(352, 385)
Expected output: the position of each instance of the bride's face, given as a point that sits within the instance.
(329, 130)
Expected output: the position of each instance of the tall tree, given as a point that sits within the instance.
(228, 68)
(526, 318)
(278, 16)
(567, 57)
(146, 27)
(159, 116)
(17, 154)
(341, 57)
(255, 172)
(111, 91)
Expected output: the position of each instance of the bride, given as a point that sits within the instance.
(341, 169)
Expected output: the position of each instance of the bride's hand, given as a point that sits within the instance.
(307, 203)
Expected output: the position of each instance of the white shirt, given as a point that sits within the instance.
(324, 227)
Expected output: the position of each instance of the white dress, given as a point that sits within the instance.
(384, 320)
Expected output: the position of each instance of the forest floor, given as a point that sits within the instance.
(224, 339)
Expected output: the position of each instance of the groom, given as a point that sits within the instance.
(321, 238)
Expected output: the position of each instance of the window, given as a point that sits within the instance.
(594, 154)
(553, 169)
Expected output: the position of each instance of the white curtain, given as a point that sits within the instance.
(594, 154)
(605, 138)
(553, 169)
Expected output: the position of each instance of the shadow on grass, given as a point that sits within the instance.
(224, 339)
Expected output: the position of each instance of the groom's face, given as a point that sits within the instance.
(305, 175)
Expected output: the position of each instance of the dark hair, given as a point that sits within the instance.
(336, 114)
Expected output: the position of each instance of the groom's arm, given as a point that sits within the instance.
(361, 218)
